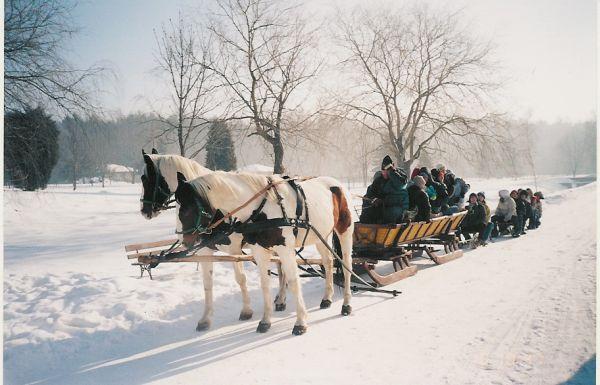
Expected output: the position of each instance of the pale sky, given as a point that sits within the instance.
(547, 49)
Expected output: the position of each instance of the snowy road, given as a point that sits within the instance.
(519, 311)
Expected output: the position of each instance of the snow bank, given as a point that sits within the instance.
(114, 168)
(517, 311)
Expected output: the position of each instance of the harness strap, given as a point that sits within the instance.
(259, 193)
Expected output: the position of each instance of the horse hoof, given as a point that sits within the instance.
(202, 325)
(245, 315)
(346, 309)
(325, 304)
(263, 327)
(280, 306)
(299, 330)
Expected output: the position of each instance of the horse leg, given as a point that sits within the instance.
(240, 278)
(262, 258)
(280, 298)
(207, 279)
(290, 269)
(346, 245)
(328, 265)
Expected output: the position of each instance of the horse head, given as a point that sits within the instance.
(156, 192)
(194, 212)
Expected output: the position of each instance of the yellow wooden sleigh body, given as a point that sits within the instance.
(401, 242)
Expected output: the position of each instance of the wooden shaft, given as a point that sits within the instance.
(228, 258)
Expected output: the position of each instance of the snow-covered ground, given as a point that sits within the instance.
(517, 311)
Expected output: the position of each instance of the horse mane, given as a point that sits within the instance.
(169, 165)
(212, 187)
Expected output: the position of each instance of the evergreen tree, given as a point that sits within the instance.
(220, 153)
(30, 148)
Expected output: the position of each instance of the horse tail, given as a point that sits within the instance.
(342, 217)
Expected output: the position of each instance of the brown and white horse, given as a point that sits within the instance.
(159, 184)
(204, 199)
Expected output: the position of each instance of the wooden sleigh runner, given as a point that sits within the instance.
(401, 243)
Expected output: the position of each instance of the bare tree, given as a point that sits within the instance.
(185, 57)
(265, 61)
(418, 81)
(35, 71)
(574, 150)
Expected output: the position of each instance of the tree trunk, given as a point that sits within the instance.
(74, 176)
(278, 153)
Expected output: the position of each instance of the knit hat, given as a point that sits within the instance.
(415, 172)
(419, 181)
(472, 195)
(387, 162)
(539, 195)
(440, 167)
(481, 193)
(503, 193)
(424, 175)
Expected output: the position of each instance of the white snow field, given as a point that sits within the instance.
(518, 311)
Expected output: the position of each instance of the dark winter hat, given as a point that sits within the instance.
(539, 195)
(523, 193)
(472, 195)
(387, 162)
(481, 193)
(434, 173)
(424, 175)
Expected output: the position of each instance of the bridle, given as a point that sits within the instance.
(158, 192)
(198, 228)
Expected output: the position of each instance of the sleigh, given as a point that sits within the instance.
(400, 243)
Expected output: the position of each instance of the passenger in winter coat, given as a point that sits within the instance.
(459, 191)
(489, 226)
(474, 221)
(506, 212)
(440, 203)
(521, 207)
(429, 189)
(442, 172)
(481, 200)
(395, 196)
(449, 182)
(537, 208)
(372, 207)
(418, 199)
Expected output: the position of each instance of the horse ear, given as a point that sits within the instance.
(154, 151)
(181, 182)
(143, 152)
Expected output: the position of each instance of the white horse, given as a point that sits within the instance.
(203, 199)
(159, 184)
